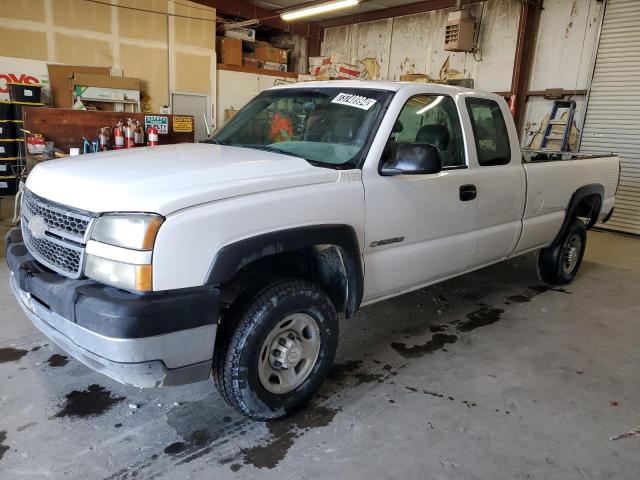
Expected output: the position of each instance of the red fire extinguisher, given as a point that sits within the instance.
(129, 134)
(103, 139)
(118, 136)
(138, 135)
(152, 136)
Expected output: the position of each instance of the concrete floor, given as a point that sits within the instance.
(486, 376)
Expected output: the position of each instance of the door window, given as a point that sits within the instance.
(490, 132)
(431, 119)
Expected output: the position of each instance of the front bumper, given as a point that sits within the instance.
(153, 340)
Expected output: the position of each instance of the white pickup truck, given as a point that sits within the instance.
(233, 258)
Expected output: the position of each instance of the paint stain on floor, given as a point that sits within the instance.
(57, 360)
(11, 354)
(437, 342)
(93, 401)
(481, 318)
(283, 434)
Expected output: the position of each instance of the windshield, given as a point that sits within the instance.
(327, 126)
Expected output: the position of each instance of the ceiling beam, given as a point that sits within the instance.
(399, 11)
(271, 18)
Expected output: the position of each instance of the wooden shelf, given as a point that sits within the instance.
(257, 71)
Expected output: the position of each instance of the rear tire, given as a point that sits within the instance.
(277, 349)
(559, 263)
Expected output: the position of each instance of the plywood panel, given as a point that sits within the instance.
(82, 15)
(193, 73)
(498, 35)
(410, 46)
(76, 50)
(11, 44)
(143, 25)
(374, 42)
(150, 65)
(565, 44)
(32, 10)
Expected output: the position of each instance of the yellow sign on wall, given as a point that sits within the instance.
(182, 124)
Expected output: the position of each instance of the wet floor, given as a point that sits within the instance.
(490, 375)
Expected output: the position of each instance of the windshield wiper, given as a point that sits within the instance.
(269, 148)
(214, 141)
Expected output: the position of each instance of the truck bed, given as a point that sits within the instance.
(551, 183)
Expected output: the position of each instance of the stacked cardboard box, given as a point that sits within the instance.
(238, 51)
(333, 67)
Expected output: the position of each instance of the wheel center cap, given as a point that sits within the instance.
(294, 355)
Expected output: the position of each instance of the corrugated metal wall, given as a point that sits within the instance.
(613, 114)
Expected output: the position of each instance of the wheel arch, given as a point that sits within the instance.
(586, 201)
(333, 249)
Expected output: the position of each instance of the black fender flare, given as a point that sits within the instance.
(231, 258)
(572, 209)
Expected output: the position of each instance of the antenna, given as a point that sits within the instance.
(206, 124)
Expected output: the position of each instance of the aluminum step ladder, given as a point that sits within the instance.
(560, 107)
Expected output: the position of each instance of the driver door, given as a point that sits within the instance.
(420, 228)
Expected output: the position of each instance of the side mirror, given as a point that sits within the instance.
(413, 159)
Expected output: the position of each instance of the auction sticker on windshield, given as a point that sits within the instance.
(353, 100)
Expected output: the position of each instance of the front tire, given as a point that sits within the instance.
(559, 263)
(280, 351)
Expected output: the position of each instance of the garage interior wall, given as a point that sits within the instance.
(147, 39)
(393, 47)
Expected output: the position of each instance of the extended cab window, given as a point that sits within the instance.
(490, 132)
(430, 119)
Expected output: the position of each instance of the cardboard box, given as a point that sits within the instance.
(230, 51)
(270, 54)
(280, 67)
(61, 88)
(346, 71)
(242, 33)
(93, 87)
(251, 62)
(229, 113)
(319, 61)
(105, 81)
(415, 77)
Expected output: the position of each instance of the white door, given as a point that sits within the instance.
(500, 181)
(196, 104)
(417, 228)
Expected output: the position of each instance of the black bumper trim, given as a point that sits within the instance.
(106, 310)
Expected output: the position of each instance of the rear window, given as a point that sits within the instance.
(490, 132)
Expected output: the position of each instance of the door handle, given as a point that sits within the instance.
(468, 192)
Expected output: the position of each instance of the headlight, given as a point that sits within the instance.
(135, 231)
(118, 274)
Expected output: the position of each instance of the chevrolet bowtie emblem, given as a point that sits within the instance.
(37, 227)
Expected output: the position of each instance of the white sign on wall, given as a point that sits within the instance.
(23, 70)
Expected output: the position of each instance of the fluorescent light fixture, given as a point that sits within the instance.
(318, 9)
(430, 106)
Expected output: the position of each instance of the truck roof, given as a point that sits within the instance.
(376, 84)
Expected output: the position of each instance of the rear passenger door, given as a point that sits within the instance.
(499, 179)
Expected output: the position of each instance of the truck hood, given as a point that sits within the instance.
(167, 178)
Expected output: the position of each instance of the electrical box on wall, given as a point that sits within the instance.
(459, 32)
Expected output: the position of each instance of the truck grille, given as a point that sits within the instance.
(55, 235)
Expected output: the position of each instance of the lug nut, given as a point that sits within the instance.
(282, 341)
(276, 353)
(291, 337)
(277, 363)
